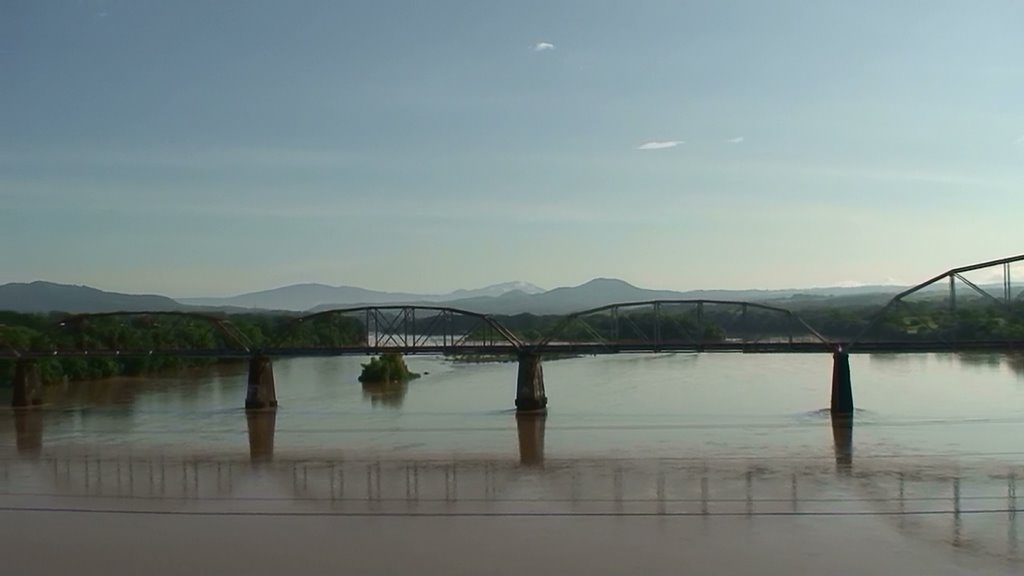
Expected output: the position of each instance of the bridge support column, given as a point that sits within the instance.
(28, 387)
(530, 395)
(260, 393)
(842, 390)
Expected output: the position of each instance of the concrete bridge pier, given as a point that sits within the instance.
(261, 394)
(27, 385)
(842, 390)
(530, 395)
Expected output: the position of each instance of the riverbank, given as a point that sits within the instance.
(204, 368)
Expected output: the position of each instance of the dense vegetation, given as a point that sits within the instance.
(148, 342)
(385, 369)
(160, 334)
(928, 320)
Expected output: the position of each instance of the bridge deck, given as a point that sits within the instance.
(575, 349)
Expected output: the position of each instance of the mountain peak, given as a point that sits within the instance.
(607, 283)
(497, 290)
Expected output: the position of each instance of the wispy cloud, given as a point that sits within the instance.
(656, 145)
(543, 46)
(1019, 140)
(736, 140)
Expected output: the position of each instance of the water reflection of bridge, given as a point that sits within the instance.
(938, 502)
(420, 480)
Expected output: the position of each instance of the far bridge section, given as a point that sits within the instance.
(158, 339)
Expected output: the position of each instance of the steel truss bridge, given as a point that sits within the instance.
(690, 325)
(648, 326)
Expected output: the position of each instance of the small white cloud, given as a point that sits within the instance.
(543, 46)
(736, 140)
(1019, 140)
(659, 145)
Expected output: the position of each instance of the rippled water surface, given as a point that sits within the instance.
(924, 479)
(679, 405)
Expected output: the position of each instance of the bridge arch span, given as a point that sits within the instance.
(1002, 299)
(661, 318)
(413, 328)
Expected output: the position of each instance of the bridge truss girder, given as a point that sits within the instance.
(412, 329)
(1002, 302)
(676, 324)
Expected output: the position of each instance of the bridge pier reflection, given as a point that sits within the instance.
(27, 384)
(530, 395)
(842, 438)
(261, 426)
(28, 431)
(531, 438)
(977, 511)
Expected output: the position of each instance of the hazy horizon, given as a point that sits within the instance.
(206, 149)
(258, 289)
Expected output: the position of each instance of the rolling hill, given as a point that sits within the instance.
(50, 297)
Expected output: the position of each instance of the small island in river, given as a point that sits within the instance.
(386, 368)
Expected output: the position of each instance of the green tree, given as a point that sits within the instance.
(388, 367)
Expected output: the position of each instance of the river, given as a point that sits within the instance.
(733, 453)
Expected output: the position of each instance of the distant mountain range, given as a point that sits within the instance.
(603, 291)
(505, 298)
(48, 297)
(300, 297)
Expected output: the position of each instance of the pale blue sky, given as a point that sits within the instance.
(196, 147)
